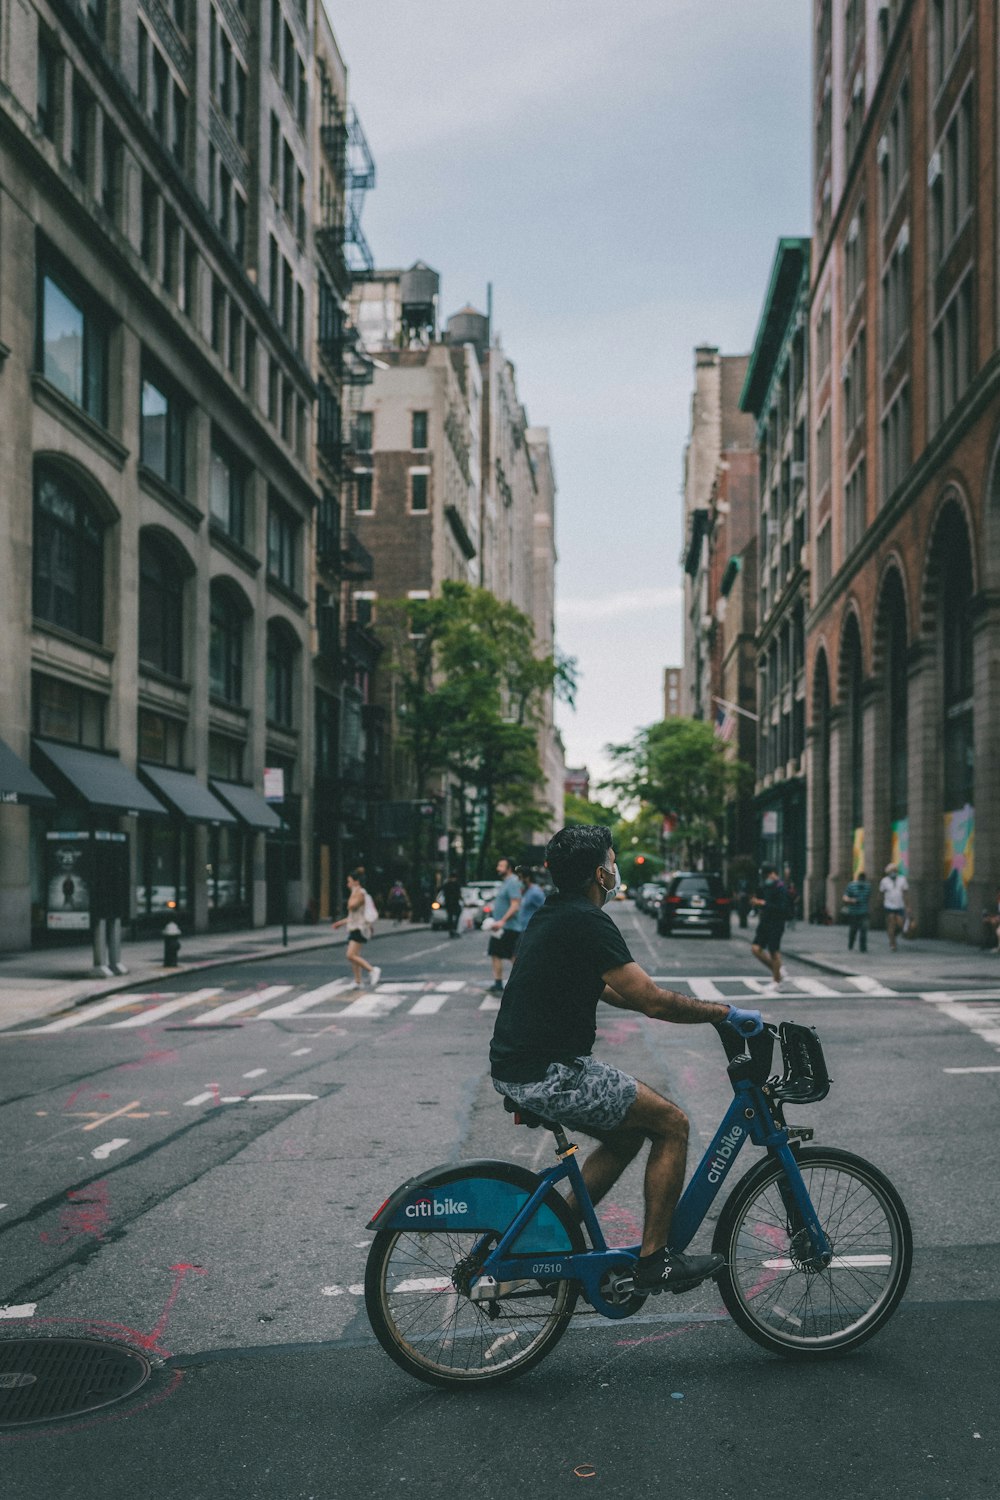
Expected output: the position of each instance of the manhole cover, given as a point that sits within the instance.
(42, 1380)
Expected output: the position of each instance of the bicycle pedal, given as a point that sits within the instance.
(800, 1132)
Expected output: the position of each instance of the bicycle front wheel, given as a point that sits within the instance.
(771, 1285)
(417, 1285)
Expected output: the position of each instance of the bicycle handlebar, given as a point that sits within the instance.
(746, 1022)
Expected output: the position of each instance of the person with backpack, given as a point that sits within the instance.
(362, 914)
(855, 904)
(772, 904)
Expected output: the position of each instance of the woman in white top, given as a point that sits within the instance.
(358, 930)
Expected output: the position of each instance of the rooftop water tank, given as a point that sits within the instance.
(419, 286)
(469, 326)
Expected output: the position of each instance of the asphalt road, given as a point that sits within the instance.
(193, 1177)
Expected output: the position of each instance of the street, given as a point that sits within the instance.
(190, 1168)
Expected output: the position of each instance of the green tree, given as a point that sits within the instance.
(680, 769)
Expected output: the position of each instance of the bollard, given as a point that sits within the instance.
(171, 945)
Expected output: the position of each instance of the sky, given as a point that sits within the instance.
(621, 173)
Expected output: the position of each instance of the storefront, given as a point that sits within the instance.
(169, 855)
(231, 854)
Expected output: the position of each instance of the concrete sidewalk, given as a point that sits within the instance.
(923, 964)
(42, 981)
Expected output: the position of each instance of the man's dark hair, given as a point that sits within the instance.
(573, 855)
(505, 859)
(527, 873)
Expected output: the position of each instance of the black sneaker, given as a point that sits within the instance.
(496, 988)
(672, 1272)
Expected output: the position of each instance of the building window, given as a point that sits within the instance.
(364, 607)
(142, 68)
(282, 541)
(161, 739)
(824, 559)
(281, 654)
(854, 258)
(363, 431)
(896, 299)
(250, 361)
(823, 453)
(364, 502)
(62, 711)
(150, 222)
(218, 317)
(896, 442)
(161, 607)
(953, 351)
(226, 627)
(325, 742)
(894, 152)
(855, 504)
(419, 433)
(948, 19)
(225, 757)
(854, 387)
(81, 111)
(48, 74)
(419, 482)
(227, 489)
(67, 557)
(178, 126)
(951, 178)
(162, 424)
(239, 226)
(111, 150)
(854, 114)
(161, 95)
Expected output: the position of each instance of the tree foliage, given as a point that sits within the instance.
(471, 693)
(680, 770)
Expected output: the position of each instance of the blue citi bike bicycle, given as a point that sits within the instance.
(476, 1269)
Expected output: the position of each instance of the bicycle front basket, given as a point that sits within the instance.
(805, 1079)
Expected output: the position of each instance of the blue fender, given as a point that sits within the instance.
(479, 1196)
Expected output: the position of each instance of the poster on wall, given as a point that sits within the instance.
(899, 845)
(67, 903)
(959, 857)
(857, 853)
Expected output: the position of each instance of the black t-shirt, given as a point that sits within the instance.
(549, 1008)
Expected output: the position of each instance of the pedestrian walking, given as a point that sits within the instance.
(991, 925)
(856, 898)
(743, 902)
(771, 902)
(451, 900)
(894, 889)
(792, 904)
(398, 902)
(506, 923)
(360, 920)
(532, 895)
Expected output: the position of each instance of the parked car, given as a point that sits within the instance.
(483, 891)
(694, 902)
(647, 896)
(472, 902)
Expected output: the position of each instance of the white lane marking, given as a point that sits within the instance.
(100, 1152)
(492, 1002)
(305, 1002)
(232, 1098)
(246, 1002)
(422, 1284)
(198, 1099)
(18, 1310)
(159, 1012)
(944, 1070)
(255, 1073)
(704, 989)
(815, 987)
(371, 1005)
(839, 1262)
(300, 1052)
(968, 1015)
(3, 1205)
(869, 984)
(402, 987)
(331, 1291)
(277, 1098)
(428, 1004)
(89, 1013)
(450, 986)
(424, 951)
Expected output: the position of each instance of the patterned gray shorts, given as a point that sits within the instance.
(584, 1094)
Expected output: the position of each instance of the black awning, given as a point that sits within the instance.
(249, 806)
(185, 794)
(18, 783)
(100, 781)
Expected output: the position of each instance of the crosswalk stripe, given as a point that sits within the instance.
(868, 984)
(305, 1002)
(89, 1013)
(159, 1012)
(371, 1005)
(450, 986)
(237, 1007)
(492, 1002)
(815, 987)
(705, 989)
(428, 1005)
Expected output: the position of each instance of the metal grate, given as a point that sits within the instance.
(42, 1380)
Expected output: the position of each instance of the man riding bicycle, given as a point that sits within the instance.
(571, 956)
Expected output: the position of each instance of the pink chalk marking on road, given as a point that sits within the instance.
(181, 1269)
(88, 1213)
(216, 1094)
(657, 1338)
(85, 1088)
(154, 1057)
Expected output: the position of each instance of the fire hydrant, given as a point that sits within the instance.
(171, 945)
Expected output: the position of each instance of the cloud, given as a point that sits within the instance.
(610, 606)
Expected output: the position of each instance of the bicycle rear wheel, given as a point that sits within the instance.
(416, 1295)
(769, 1286)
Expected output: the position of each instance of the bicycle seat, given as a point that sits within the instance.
(525, 1116)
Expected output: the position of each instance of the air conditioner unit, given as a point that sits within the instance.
(804, 557)
(852, 230)
(934, 169)
(859, 84)
(904, 237)
(845, 369)
(798, 471)
(882, 149)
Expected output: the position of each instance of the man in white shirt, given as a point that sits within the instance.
(893, 889)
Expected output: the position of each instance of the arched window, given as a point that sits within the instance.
(67, 556)
(227, 624)
(281, 655)
(161, 607)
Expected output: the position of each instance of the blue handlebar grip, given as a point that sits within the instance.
(746, 1022)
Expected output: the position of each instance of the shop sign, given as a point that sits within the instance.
(67, 905)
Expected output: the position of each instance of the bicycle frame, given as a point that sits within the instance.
(748, 1118)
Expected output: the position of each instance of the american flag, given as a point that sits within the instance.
(725, 722)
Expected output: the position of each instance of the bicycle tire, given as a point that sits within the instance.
(789, 1308)
(433, 1330)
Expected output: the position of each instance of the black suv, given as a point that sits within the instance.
(694, 902)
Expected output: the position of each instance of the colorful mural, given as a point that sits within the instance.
(899, 846)
(959, 864)
(857, 852)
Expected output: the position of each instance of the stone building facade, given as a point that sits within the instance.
(156, 319)
(903, 647)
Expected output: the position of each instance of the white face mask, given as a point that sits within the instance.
(609, 895)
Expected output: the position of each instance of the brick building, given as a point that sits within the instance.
(903, 648)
